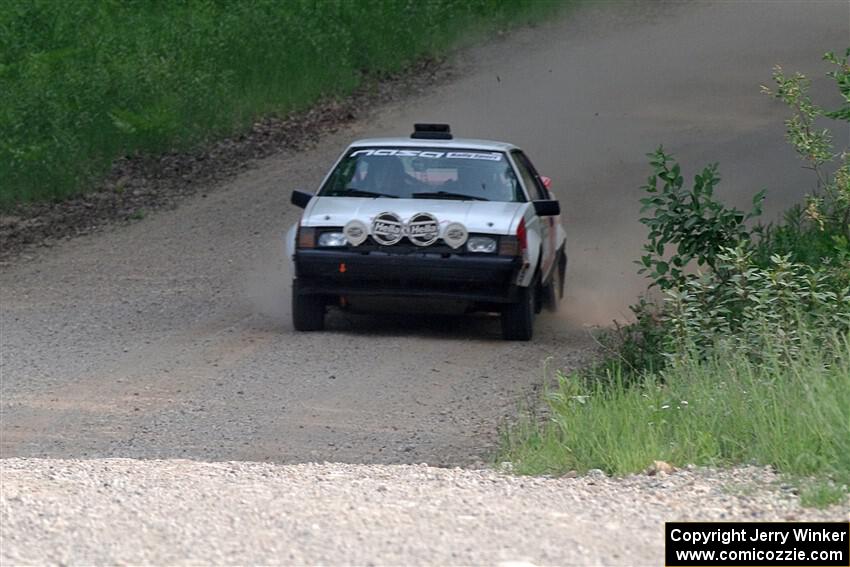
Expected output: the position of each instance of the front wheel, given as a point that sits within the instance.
(308, 311)
(518, 318)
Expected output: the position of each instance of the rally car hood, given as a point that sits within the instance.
(477, 216)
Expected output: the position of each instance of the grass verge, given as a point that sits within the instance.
(84, 82)
(792, 414)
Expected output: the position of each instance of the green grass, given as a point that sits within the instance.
(821, 493)
(791, 414)
(85, 81)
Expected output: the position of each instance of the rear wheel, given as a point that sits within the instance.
(518, 318)
(308, 311)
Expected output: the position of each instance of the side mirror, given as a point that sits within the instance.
(547, 182)
(547, 208)
(300, 198)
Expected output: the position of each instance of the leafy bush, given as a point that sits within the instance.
(753, 310)
(691, 219)
(805, 241)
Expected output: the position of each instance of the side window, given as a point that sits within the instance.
(529, 177)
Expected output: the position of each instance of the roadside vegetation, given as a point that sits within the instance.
(85, 82)
(744, 355)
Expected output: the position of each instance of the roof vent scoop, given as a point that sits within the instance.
(432, 132)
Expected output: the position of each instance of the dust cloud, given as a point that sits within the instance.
(268, 285)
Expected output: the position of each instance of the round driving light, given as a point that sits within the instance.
(423, 229)
(455, 235)
(387, 229)
(356, 232)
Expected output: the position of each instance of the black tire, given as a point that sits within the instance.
(308, 311)
(518, 318)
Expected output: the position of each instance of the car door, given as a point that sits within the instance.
(538, 192)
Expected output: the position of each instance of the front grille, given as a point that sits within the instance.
(406, 247)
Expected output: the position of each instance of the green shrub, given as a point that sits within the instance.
(755, 310)
(691, 219)
(804, 241)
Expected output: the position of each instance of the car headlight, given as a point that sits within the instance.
(482, 244)
(332, 239)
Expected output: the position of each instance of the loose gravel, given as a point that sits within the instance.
(123, 511)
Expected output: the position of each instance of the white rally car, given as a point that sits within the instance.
(430, 216)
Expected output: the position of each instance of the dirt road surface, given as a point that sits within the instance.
(170, 338)
(145, 512)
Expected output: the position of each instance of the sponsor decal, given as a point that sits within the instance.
(355, 232)
(455, 235)
(486, 156)
(423, 229)
(387, 229)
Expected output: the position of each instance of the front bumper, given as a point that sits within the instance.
(419, 274)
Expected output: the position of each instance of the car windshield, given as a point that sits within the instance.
(424, 173)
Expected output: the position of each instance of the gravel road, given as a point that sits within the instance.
(123, 511)
(170, 338)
